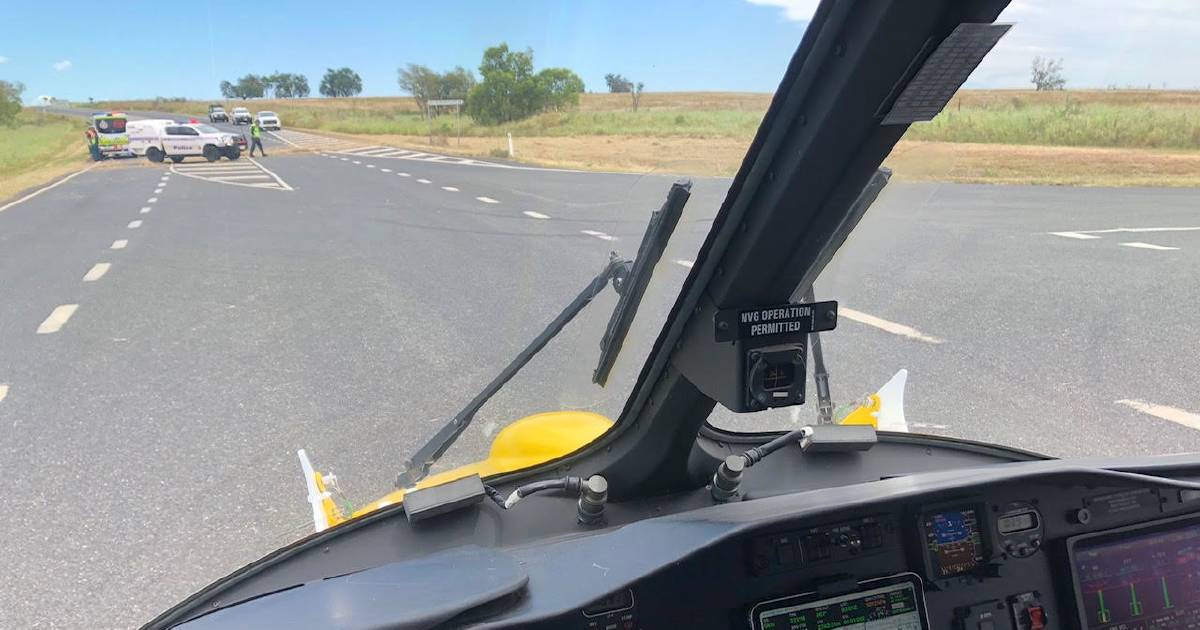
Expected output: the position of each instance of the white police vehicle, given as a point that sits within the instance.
(162, 139)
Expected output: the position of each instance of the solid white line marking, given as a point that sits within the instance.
(254, 176)
(885, 325)
(487, 200)
(424, 181)
(386, 170)
(684, 263)
(42, 190)
(3, 392)
(535, 215)
(133, 225)
(145, 210)
(282, 184)
(119, 244)
(58, 317)
(1176, 415)
(96, 272)
(1149, 229)
(1079, 235)
(152, 200)
(1140, 245)
(449, 188)
(403, 174)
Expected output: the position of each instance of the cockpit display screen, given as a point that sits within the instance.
(895, 603)
(953, 541)
(1145, 577)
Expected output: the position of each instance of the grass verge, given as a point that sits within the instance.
(37, 150)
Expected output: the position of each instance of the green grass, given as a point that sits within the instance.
(1079, 124)
(35, 140)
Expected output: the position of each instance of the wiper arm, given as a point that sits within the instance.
(417, 467)
(654, 241)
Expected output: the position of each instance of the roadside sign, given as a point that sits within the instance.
(445, 102)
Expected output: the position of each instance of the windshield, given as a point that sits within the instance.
(178, 321)
(110, 125)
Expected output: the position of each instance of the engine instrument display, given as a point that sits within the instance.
(1139, 577)
(892, 603)
(953, 541)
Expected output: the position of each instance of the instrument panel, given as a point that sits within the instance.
(993, 563)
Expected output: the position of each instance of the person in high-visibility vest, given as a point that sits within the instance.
(93, 141)
(256, 139)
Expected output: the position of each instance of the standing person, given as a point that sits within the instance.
(256, 139)
(93, 141)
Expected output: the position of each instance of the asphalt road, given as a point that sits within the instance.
(189, 345)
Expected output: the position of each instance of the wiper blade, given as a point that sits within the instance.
(417, 467)
(654, 241)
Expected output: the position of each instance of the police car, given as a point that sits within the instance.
(163, 139)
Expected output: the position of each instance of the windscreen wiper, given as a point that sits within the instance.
(629, 279)
(417, 467)
(654, 241)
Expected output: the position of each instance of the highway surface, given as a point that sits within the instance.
(171, 335)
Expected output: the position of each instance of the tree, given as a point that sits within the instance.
(636, 94)
(300, 86)
(227, 90)
(10, 101)
(340, 82)
(419, 81)
(426, 85)
(509, 90)
(618, 84)
(1046, 74)
(560, 88)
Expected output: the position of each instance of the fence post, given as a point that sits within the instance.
(511, 153)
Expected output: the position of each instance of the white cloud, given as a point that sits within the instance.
(1101, 43)
(795, 10)
(3, 59)
(62, 65)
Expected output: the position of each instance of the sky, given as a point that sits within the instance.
(157, 49)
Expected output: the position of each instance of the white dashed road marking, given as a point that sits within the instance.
(3, 392)
(158, 191)
(487, 200)
(400, 174)
(356, 162)
(96, 272)
(1174, 414)
(145, 210)
(133, 225)
(1140, 245)
(386, 170)
(535, 215)
(120, 244)
(449, 188)
(152, 200)
(424, 181)
(57, 319)
(886, 326)
(370, 166)
(684, 263)
(600, 235)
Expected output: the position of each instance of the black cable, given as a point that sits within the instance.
(494, 495)
(756, 454)
(572, 485)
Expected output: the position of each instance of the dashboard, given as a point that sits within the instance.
(1028, 545)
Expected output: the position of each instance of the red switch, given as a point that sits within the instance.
(1037, 618)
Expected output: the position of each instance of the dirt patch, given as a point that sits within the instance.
(910, 160)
